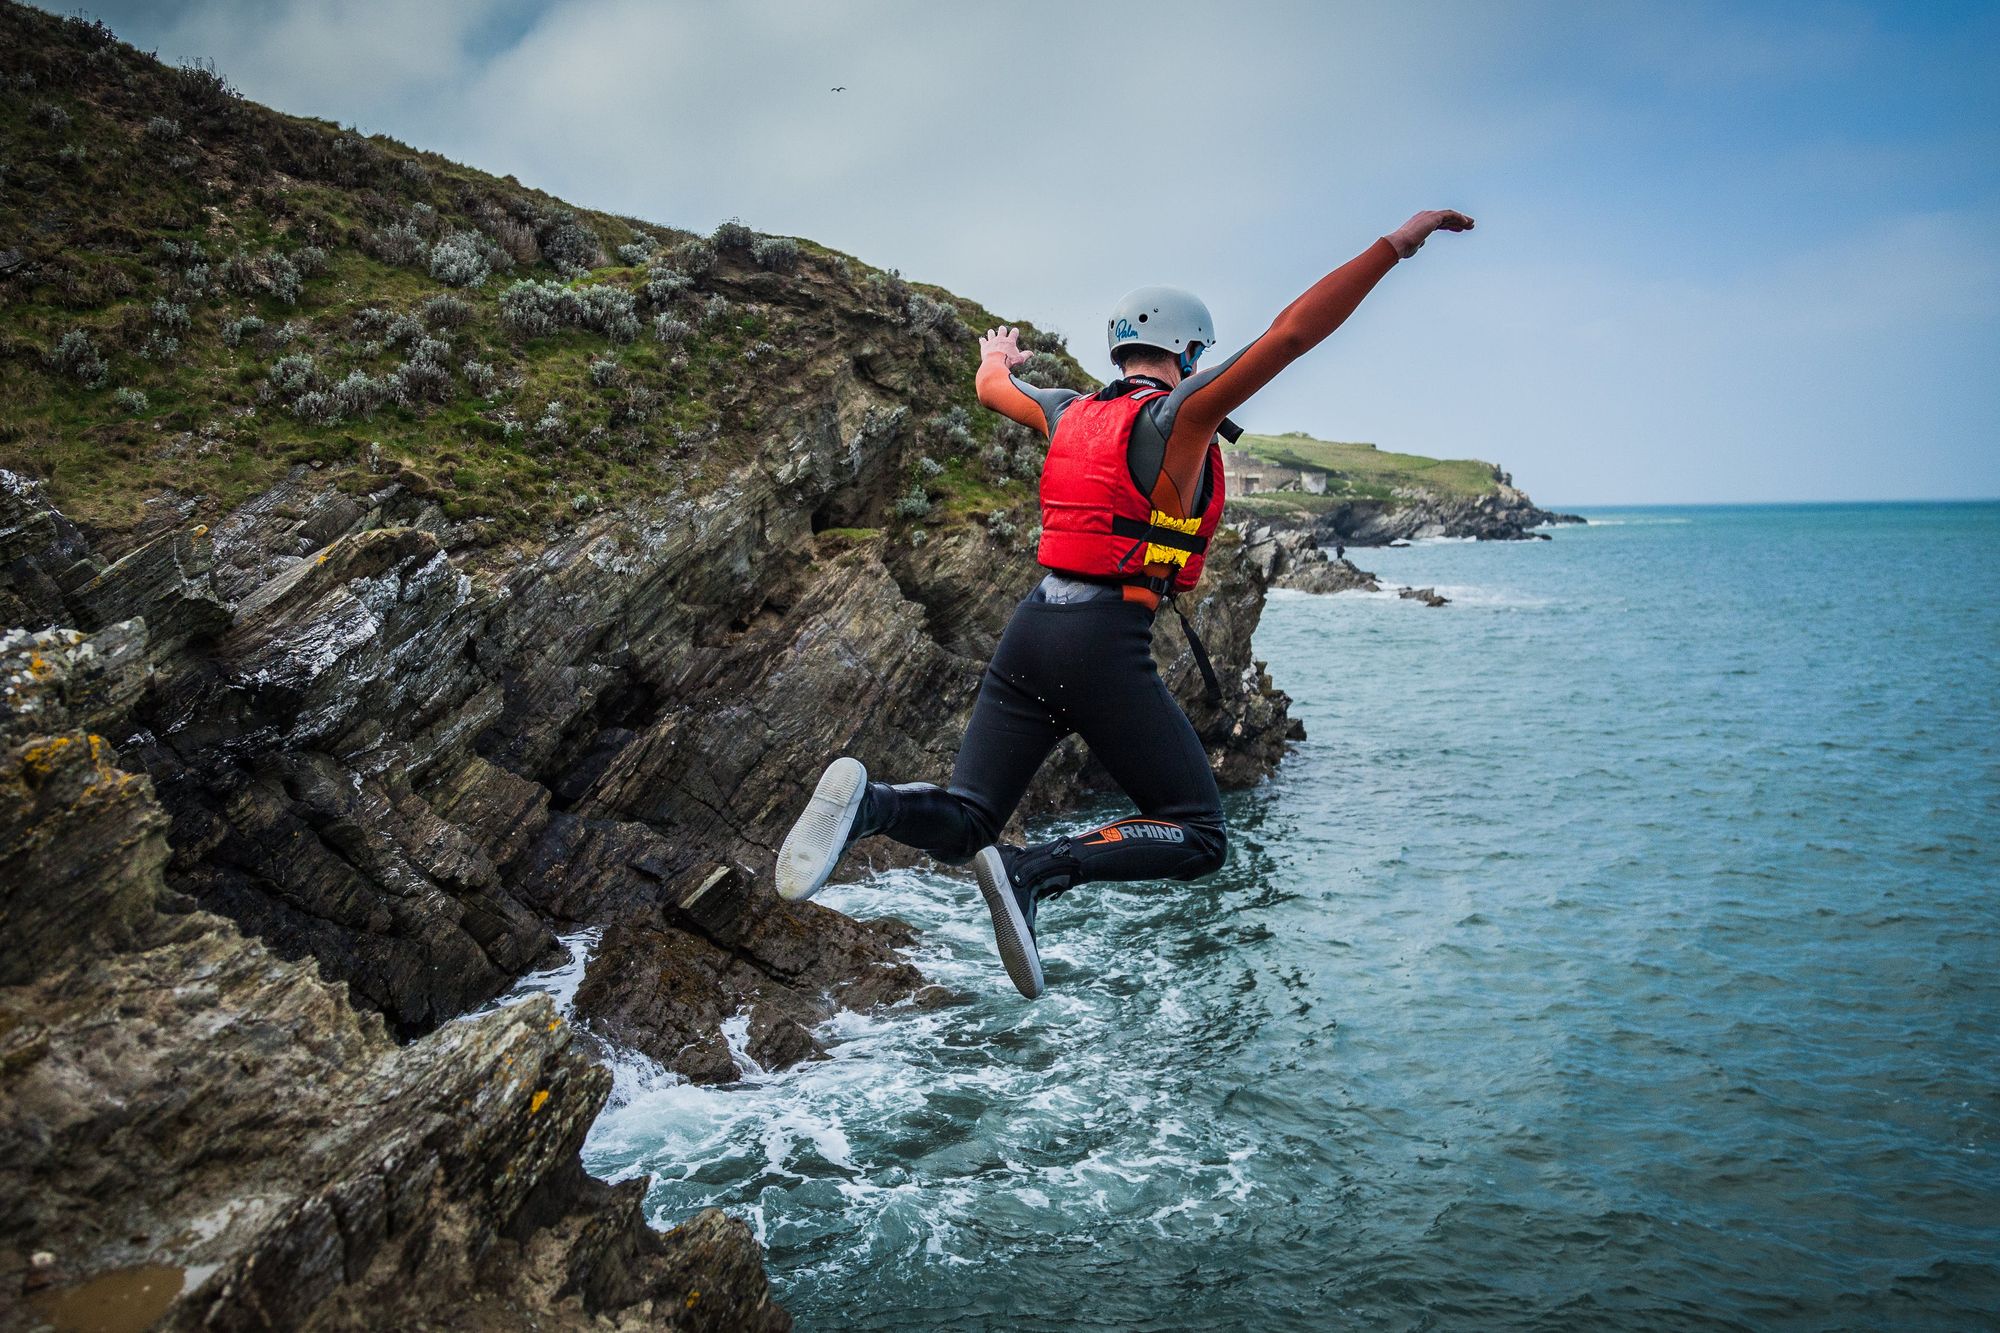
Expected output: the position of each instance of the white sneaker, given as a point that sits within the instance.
(812, 849)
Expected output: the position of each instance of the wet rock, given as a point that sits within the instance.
(1428, 596)
(720, 945)
(1289, 558)
(178, 1098)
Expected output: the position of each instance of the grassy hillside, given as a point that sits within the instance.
(198, 293)
(1361, 471)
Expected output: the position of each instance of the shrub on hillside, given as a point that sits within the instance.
(49, 116)
(568, 244)
(604, 372)
(160, 346)
(398, 243)
(293, 375)
(163, 129)
(780, 254)
(890, 289)
(423, 377)
(936, 320)
(359, 394)
(693, 257)
(913, 503)
(413, 171)
(1043, 370)
(670, 330)
(537, 309)
(171, 316)
(607, 310)
(236, 330)
(638, 250)
(552, 424)
(480, 377)
(132, 400)
(459, 260)
(715, 312)
(953, 428)
(316, 407)
(270, 274)
(201, 90)
(194, 283)
(533, 309)
(733, 235)
(75, 356)
(447, 312)
(663, 286)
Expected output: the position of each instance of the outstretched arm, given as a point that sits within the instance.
(1190, 416)
(1031, 405)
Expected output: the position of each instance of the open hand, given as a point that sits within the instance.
(1410, 237)
(1003, 341)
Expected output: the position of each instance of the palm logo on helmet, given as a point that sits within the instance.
(1164, 318)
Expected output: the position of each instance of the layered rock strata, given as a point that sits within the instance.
(202, 1133)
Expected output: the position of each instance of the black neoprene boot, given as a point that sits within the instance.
(1013, 883)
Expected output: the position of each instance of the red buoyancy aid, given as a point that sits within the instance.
(1095, 522)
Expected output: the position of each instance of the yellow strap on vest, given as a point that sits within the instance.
(1168, 555)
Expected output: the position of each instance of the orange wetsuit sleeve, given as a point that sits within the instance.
(1191, 414)
(1033, 406)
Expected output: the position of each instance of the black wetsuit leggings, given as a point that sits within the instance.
(1082, 667)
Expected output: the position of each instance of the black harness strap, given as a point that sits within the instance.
(1211, 688)
(1192, 543)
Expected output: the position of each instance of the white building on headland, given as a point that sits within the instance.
(1248, 474)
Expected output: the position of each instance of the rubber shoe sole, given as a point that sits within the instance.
(812, 849)
(1010, 930)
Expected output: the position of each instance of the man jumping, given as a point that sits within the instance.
(1131, 494)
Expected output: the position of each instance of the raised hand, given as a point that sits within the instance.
(1003, 341)
(1410, 237)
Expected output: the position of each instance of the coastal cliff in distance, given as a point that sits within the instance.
(1358, 495)
(1298, 500)
(398, 567)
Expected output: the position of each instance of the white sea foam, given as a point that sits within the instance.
(1047, 1089)
(560, 982)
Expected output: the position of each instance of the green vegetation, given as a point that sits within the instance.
(198, 294)
(1361, 471)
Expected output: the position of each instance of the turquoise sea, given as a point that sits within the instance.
(1619, 951)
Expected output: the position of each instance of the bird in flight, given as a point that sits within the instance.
(841, 89)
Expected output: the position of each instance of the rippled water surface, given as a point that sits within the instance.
(1619, 951)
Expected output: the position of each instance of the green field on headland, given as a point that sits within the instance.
(1364, 470)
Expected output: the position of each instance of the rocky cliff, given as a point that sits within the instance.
(398, 566)
(1366, 496)
(1409, 514)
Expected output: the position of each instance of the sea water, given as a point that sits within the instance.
(1618, 951)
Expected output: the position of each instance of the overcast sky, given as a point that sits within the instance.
(1725, 252)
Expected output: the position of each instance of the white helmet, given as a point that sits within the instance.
(1163, 317)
